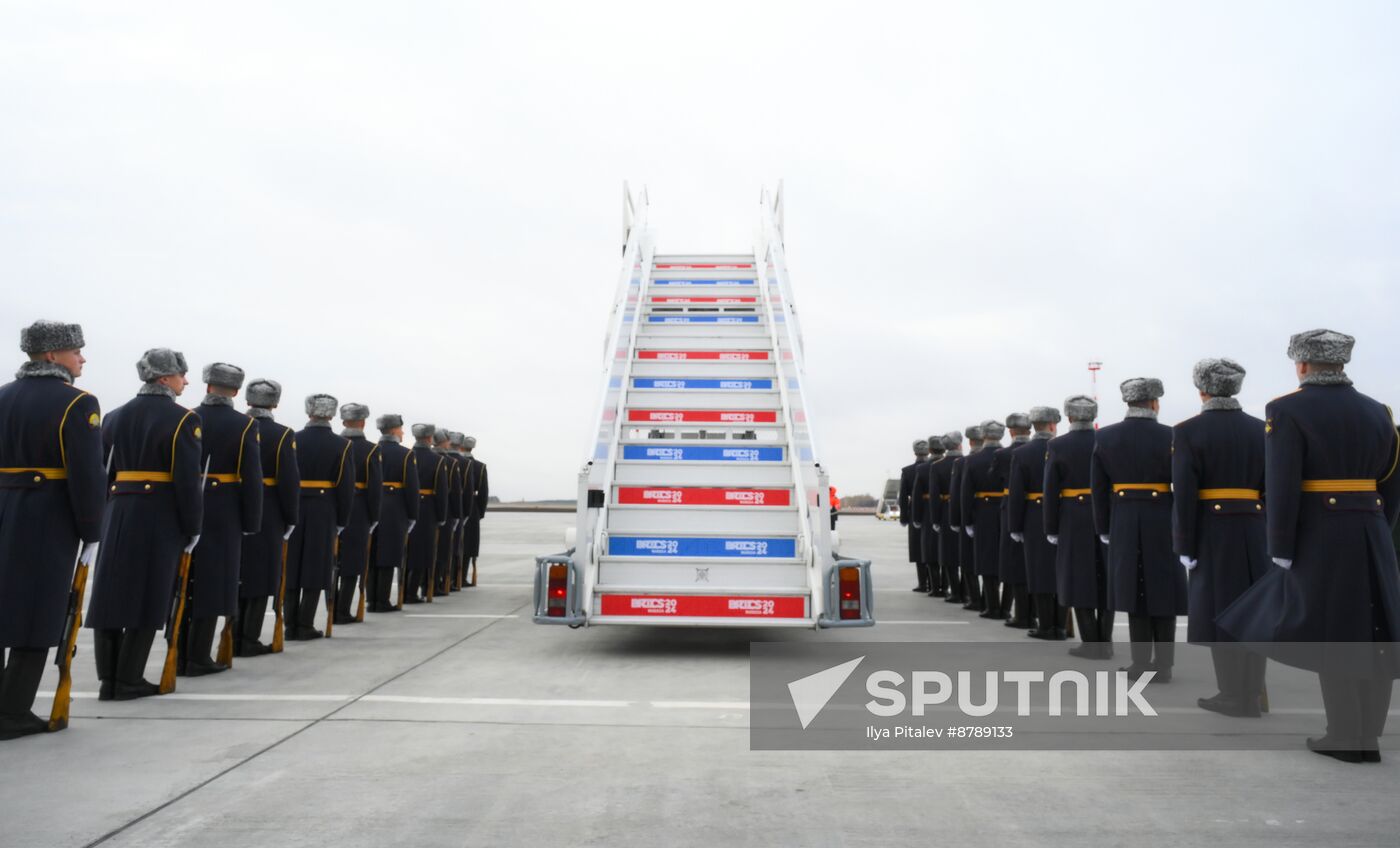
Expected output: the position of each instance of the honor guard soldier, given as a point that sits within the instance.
(432, 513)
(457, 442)
(1130, 476)
(327, 496)
(155, 510)
(264, 552)
(442, 567)
(1332, 492)
(940, 501)
(920, 498)
(1011, 566)
(479, 487)
(233, 502)
(364, 512)
(1025, 511)
(397, 512)
(907, 475)
(967, 564)
(1081, 569)
(1219, 532)
(52, 489)
(981, 496)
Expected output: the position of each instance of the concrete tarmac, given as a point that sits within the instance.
(462, 723)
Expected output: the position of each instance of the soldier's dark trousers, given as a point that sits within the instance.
(251, 612)
(952, 580)
(199, 643)
(1153, 641)
(1096, 627)
(921, 571)
(972, 589)
(20, 684)
(1018, 604)
(1049, 615)
(1356, 710)
(299, 610)
(1239, 674)
(345, 597)
(380, 584)
(991, 591)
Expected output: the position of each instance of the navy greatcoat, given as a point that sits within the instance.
(479, 491)
(327, 492)
(981, 498)
(1080, 565)
(433, 494)
(1217, 462)
(364, 511)
(261, 573)
(1144, 576)
(52, 490)
(148, 522)
(1343, 585)
(907, 474)
(1011, 556)
(940, 490)
(233, 504)
(1024, 511)
(921, 499)
(399, 505)
(454, 512)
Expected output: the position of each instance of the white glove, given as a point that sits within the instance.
(194, 540)
(372, 525)
(970, 531)
(89, 554)
(456, 524)
(1018, 537)
(410, 525)
(1104, 538)
(938, 528)
(288, 534)
(1285, 564)
(442, 523)
(339, 530)
(1188, 562)
(1054, 540)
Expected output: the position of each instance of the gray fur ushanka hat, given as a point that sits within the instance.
(1081, 408)
(49, 336)
(423, 431)
(1218, 377)
(935, 444)
(1138, 389)
(264, 393)
(320, 406)
(974, 433)
(920, 447)
(992, 431)
(469, 442)
(952, 440)
(223, 375)
(160, 362)
(354, 412)
(389, 421)
(1044, 415)
(1018, 421)
(1324, 347)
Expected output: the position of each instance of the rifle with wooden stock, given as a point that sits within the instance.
(278, 640)
(172, 628)
(68, 647)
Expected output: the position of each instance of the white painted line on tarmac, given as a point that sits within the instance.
(192, 696)
(457, 615)
(494, 702)
(700, 705)
(883, 621)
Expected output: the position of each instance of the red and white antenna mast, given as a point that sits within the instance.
(1094, 368)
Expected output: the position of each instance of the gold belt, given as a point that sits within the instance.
(269, 481)
(427, 491)
(224, 478)
(1339, 485)
(1228, 494)
(317, 484)
(989, 494)
(393, 484)
(1034, 496)
(1075, 493)
(143, 477)
(1119, 488)
(41, 474)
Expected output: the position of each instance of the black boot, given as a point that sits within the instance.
(991, 593)
(18, 689)
(306, 617)
(1047, 619)
(343, 599)
(131, 666)
(106, 647)
(1105, 636)
(250, 625)
(200, 659)
(1140, 632)
(1163, 647)
(921, 571)
(1020, 608)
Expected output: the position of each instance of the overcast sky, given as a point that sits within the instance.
(417, 206)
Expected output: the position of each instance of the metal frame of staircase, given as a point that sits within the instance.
(703, 461)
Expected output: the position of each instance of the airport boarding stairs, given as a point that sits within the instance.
(703, 502)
